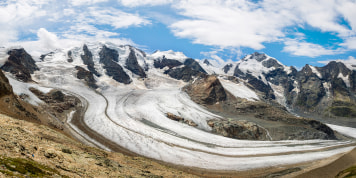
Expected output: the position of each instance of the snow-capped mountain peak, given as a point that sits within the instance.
(170, 54)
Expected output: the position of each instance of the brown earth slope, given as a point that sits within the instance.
(29, 149)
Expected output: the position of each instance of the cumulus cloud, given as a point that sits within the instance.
(227, 23)
(250, 24)
(47, 39)
(68, 19)
(18, 15)
(302, 48)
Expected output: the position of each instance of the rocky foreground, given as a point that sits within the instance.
(29, 149)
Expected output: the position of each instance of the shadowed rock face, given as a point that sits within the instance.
(70, 57)
(170, 63)
(194, 65)
(206, 62)
(109, 57)
(191, 69)
(87, 76)
(311, 88)
(271, 63)
(20, 64)
(88, 60)
(206, 90)
(5, 87)
(133, 66)
(227, 68)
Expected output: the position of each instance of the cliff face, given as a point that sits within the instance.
(109, 58)
(11, 105)
(20, 64)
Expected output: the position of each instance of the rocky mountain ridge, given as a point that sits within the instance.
(275, 83)
(116, 97)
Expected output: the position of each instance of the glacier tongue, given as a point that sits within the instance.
(134, 116)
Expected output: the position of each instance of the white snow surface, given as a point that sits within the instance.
(170, 54)
(134, 117)
(348, 131)
(254, 67)
(345, 79)
(315, 71)
(239, 90)
(21, 88)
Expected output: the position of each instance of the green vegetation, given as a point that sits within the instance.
(20, 167)
(343, 109)
(349, 172)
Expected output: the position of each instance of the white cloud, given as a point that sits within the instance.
(18, 15)
(85, 2)
(135, 3)
(68, 19)
(228, 23)
(350, 62)
(115, 18)
(350, 43)
(244, 23)
(47, 39)
(302, 48)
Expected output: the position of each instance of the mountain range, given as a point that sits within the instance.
(168, 107)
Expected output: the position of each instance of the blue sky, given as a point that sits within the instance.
(296, 32)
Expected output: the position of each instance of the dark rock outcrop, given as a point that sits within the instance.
(87, 58)
(258, 56)
(184, 73)
(240, 129)
(271, 63)
(181, 119)
(109, 57)
(206, 90)
(166, 62)
(87, 76)
(43, 56)
(227, 68)
(20, 64)
(206, 62)
(194, 65)
(133, 66)
(191, 69)
(70, 57)
(57, 101)
(5, 87)
(311, 88)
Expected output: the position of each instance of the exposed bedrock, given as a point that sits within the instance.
(206, 90)
(133, 66)
(240, 129)
(20, 64)
(110, 57)
(87, 58)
